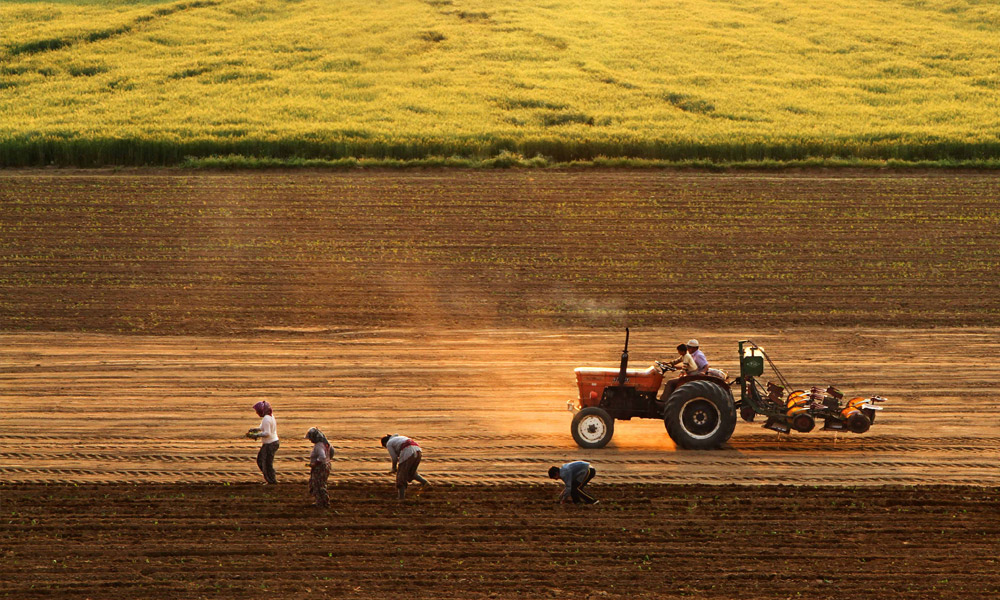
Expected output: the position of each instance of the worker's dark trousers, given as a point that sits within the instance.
(581, 496)
(265, 461)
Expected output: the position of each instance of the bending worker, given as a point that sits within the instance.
(406, 455)
(576, 475)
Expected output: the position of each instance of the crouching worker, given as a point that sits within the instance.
(319, 466)
(405, 455)
(576, 475)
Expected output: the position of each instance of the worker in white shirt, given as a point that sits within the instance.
(685, 360)
(267, 433)
(406, 455)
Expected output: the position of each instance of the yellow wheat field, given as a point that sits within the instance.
(117, 81)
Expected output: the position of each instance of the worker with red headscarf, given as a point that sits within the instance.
(267, 433)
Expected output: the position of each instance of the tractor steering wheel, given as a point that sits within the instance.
(664, 366)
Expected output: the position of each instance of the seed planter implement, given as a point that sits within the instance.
(798, 409)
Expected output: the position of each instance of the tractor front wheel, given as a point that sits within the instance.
(592, 427)
(700, 415)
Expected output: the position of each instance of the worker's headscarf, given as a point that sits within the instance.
(263, 408)
(316, 436)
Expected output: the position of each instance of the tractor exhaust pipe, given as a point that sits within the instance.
(621, 372)
(620, 390)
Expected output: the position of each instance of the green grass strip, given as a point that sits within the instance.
(511, 160)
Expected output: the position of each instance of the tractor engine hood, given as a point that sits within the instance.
(593, 380)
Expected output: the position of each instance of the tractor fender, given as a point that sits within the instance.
(672, 385)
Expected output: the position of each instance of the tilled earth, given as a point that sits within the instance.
(141, 315)
(651, 541)
(175, 252)
(88, 408)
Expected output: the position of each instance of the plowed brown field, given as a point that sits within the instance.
(170, 253)
(96, 408)
(250, 541)
(141, 315)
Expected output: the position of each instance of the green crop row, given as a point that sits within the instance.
(249, 153)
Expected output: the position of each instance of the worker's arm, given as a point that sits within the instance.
(676, 361)
(393, 456)
(567, 492)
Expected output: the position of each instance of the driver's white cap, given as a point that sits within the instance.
(692, 343)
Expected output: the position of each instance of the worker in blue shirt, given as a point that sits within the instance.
(699, 358)
(576, 475)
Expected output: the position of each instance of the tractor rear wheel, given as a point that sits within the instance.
(592, 427)
(700, 415)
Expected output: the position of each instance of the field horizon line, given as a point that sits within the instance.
(32, 151)
(514, 161)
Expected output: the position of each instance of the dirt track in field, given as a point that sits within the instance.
(251, 541)
(99, 408)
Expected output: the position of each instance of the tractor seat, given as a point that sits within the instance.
(717, 373)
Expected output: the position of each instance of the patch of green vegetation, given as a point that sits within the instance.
(441, 78)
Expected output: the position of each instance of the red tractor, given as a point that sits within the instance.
(699, 411)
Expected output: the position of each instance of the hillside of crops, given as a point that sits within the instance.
(149, 82)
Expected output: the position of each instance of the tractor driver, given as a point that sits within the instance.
(701, 363)
(693, 362)
(687, 363)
